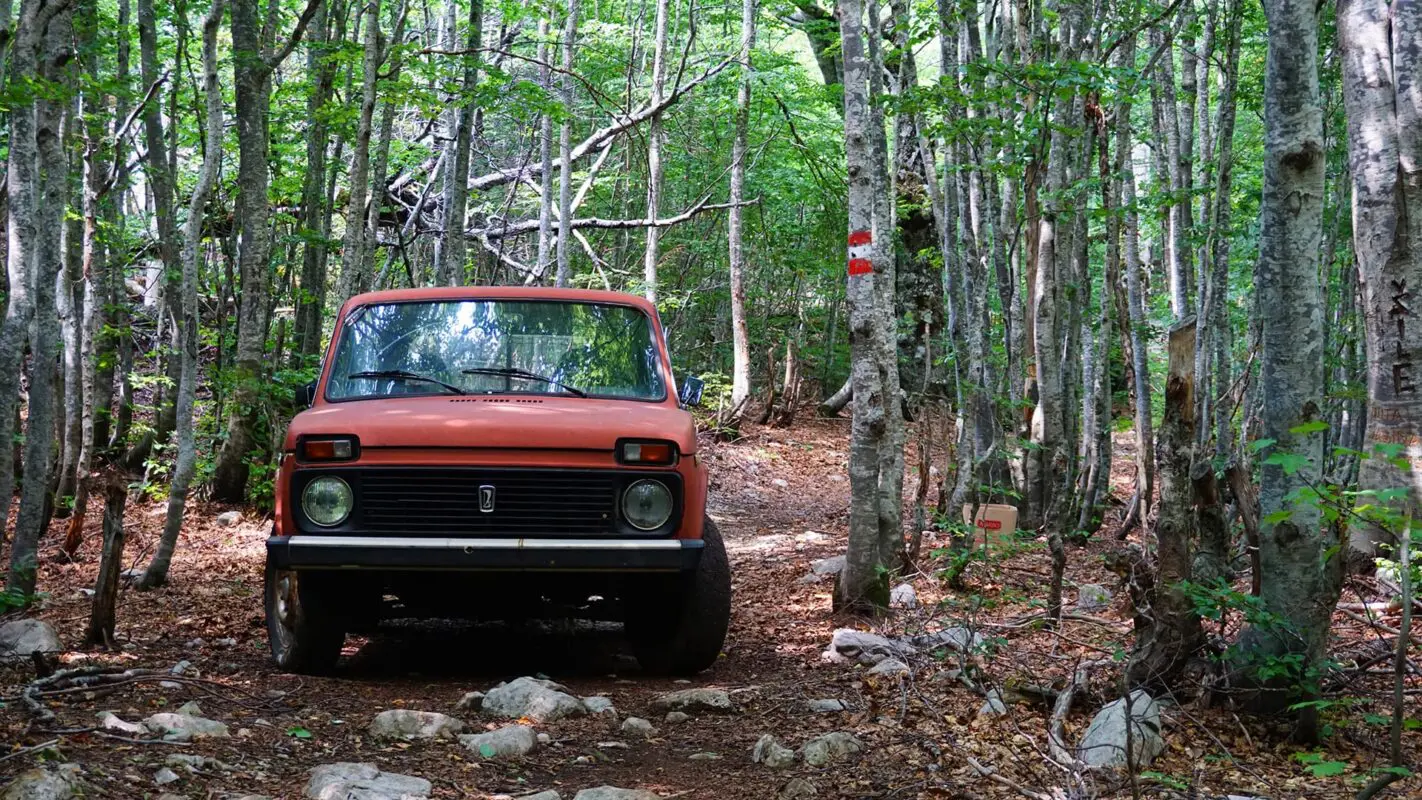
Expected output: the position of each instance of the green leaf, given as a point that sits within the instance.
(1260, 444)
(299, 732)
(1312, 426)
(1289, 462)
(1327, 769)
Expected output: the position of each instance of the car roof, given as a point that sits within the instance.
(438, 293)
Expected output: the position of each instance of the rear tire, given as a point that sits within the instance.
(677, 627)
(304, 631)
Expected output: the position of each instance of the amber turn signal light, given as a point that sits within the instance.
(337, 448)
(657, 453)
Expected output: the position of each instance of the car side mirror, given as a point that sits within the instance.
(306, 395)
(691, 390)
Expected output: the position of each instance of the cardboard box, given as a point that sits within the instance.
(995, 522)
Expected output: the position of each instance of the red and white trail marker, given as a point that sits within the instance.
(860, 244)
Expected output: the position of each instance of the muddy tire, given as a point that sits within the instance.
(304, 631)
(677, 627)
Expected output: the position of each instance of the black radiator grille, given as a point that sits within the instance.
(526, 502)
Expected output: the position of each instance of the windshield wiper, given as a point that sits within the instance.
(402, 375)
(513, 372)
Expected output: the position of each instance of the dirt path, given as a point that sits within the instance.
(781, 501)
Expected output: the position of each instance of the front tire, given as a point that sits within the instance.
(678, 628)
(304, 632)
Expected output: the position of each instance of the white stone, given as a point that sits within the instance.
(677, 717)
(182, 727)
(181, 667)
(890, 666)
(110, 722)
(510, 740)
(848, 646)
(548, 795)
(229, 518)
(827, 705)
(781, 483)
(534, 698)
(638, 727)
(826, 567)
(403, 723)
(471, 701)
(600, 705)
(164, 776)
(1104, 743)
(21, 637)
(349, 781)
(903, 596)
(190, 709)
(614, 793)
(692, 700)
(993, 706)
(798, 789)
(1091, 597)
(960, 640)
(57, 783)
(770, 752)
(822, 750)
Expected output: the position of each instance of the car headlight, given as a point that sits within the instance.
(647, 504)
(327, 501)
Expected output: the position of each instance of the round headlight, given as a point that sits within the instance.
(647, 504)
(327, 501)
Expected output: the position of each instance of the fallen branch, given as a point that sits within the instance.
(993, 775)
(531, 225)
(18, 753)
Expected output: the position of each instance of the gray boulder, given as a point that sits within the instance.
(547, 795)
(769, 751)
(848, 646)
(1104, 743)
(350, 781)
(185, 726)
(1091, 598)
(798, 789)
(21, 637)
(165, 776)
(111, 722)
(403, 723)
(714, 701)
(830, 747)
(58, 783)
(994, 705)
(508, 741)
(827, 705)
(677, 717)
(638, 728)
(471, 701)
(614, 793)
(600, 705)
(903, 596)
(890, 666)
(823, 569)
(534, 698)
(229, 518)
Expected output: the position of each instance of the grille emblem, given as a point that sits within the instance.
(486, 498)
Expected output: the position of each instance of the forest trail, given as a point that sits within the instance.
(781, 500)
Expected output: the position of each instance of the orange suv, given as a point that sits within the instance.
(496, 453)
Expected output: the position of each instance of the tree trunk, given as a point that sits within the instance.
(862, 583)
(157, 572)
(1300, 581)
(311, 301)
(1379, 40)
(103, 611)
(565, 148)
(654, 153)
(545, 150)
(740, 336)
(354, 278)
(1173, 635)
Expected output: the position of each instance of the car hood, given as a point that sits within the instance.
(497, 421)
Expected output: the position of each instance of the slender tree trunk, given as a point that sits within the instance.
(311, 301)
(456, 191)
(740, 336)
(52, 171)
(545, 148)
(1300, 580)
(565, 147)
(1379, 40)
(354, 279)
(157, 572)
(654, 153)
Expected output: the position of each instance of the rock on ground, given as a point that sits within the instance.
(21, 637)
(824, 568)
(798, 789)
(229, 518)
(715, 701)
(903, 596)
(638, 727)
(993, 706)
(164, 776)
(827, 705)
(890, 666)
(59, 783)
(508, 741)
(677, 717)
(349, 781)
(534, 698)
(403, 723)
(1091, 598)
(1104, 743)
(110, 722)
(822, 750)
(471, 701)
(185, 725)
(848, 646)
(961, 640)
(614, 793)
(548, 795)
(770, 752)
(600, 705)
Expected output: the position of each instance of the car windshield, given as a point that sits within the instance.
(497, 346)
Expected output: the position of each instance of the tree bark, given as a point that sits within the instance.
(354, 278)
(1381, 45)
(654, 153)
(311, 302)
(740, 336)
(565, 148)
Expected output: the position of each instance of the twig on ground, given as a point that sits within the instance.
(993, 775)
(31, 749)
